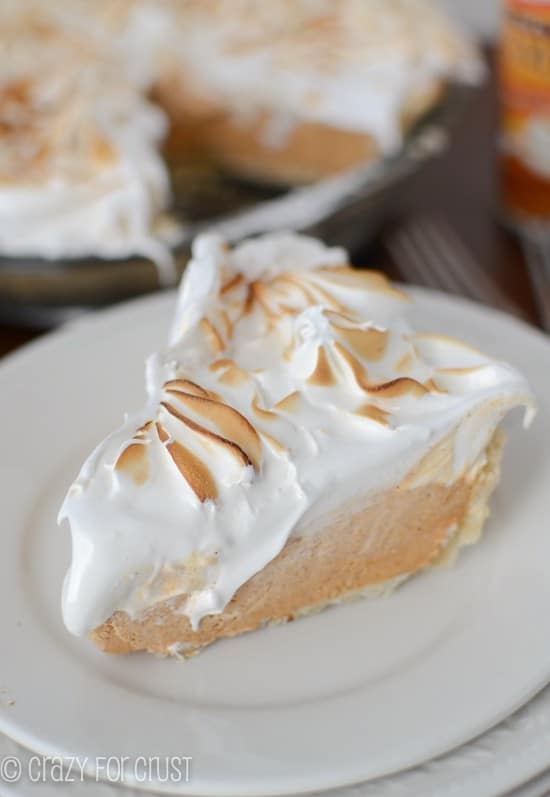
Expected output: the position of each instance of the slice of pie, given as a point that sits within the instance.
(300, 445)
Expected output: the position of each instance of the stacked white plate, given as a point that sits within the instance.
(397, 694)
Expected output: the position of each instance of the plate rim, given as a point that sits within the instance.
(129, 307)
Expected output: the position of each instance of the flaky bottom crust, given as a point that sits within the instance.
(364, 550)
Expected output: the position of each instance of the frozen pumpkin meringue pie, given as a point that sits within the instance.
(289, 91)
(300, 444)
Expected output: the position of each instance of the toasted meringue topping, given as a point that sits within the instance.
(356, 367)
(289, 403)
(81, 171)
(135, 462)
(186, 386)
(323, 374)
(215, 340)
(193, 470)
(228, 421)
(316, 390)
(232, 374)
(373, 412)
(351, 64)
(401, 386)
(368, 343)
(403, 363)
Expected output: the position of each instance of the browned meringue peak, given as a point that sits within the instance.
(373, 412)
(262, 412)
(368, 342)
(400, 386)
(294, 291)
(213, 338)
(134, 462)
(213, 424)
(462, 354)
(229, 373)
(47, 121)
(208, 437)
(287, 293)
(290, 403)
(193, 469)
(275, 299)
(360, 279)
(323, 375)
(369, 345)
(392, 388)
(404, 362)
(273, 442)
(134, 459)
(223, 421)
(462, 371)
(187, 386)
(231, 284)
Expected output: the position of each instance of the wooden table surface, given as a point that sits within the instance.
(462, 186)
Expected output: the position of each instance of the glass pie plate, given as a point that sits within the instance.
(345, 210)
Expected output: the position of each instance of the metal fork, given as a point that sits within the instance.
(536, 247)
(429, 252)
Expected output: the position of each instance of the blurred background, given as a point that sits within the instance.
(481, 16)
(460, 203)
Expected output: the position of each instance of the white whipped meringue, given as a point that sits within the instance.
(81, 170)
(351, 64)
(291, 383)
(112, 214)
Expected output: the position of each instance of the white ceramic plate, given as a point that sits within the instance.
(317, 703)
(501, 761)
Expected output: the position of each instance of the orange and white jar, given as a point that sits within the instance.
(524, 66)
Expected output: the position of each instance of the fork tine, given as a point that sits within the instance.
(406, 258)
(467, 275)
(434, 252)
(410, 261)
(444, 262)
(418, 250)
(477, 284)
(537, 255)
(445, 257)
